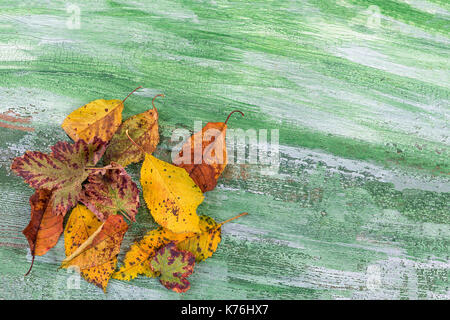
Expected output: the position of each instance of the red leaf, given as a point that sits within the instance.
(173, 266)
(110, 192)
(62, 171)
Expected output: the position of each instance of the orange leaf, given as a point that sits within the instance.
(204, 155)
(45, 227)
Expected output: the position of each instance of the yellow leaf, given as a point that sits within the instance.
(82, 225)
(205, 243)
(137, 258)
(202, 245)
(99, 118)
(171, 195)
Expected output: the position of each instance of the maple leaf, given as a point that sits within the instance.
(99, 118)
(143, 129)
(210, 145)
(45, 227)
(111, 191)
(171, 195)
(62, 171)
(81, 226)
(202, 245)
(173, 266)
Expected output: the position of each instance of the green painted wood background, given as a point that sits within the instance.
(360, 206)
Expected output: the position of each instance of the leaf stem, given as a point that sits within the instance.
(108, 167)
(31, 267)
(232, 113)
(226, 221)
(131, 93)
(83, 246)
(138, 146)
(127, 216)
(153, 101)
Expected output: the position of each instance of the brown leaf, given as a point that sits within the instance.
(45, 227)
(204, 155)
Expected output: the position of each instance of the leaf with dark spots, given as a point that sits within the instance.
(111, 191)
(173, 266)
(62, 171)
(202, 245)
(81, 226)
(171, 195)
(136, 259)
(143, 129)
(45, 227)
(97, 119)
(204, 155)
(101, 246)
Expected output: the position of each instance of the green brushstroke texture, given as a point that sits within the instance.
(360, 206)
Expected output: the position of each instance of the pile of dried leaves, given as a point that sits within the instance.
(103, 199)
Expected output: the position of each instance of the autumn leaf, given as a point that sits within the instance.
(82, 226)
(202, 245)
(205, 243)
(62, 171)
(143, 129)
(171, 195)
(136, 259)
(99, 118)
(204, 155)
(45, 227)
(101, 246)
(173, 266)
(110, 192)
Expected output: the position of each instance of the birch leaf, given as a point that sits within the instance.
(171, 195)
(202, 245)
(110, 192)
(99, 118)
(143, 129)
(62, 171)
(82, 224)
(204, 155)
(173, 266)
